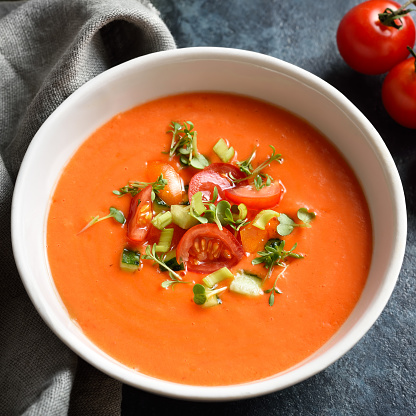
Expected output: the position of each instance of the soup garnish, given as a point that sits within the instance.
(221, 199)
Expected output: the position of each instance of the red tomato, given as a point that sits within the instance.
(399, 93)
(140, 215)
(214, 175)
(367, 45)
(225, 169)
(266, 197)
(205, 248)
(172, 193)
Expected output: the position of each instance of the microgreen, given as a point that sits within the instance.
(205, 211)
(204, 295)
(274, 290)
(220, 214)
(151, 255)
(233, 215)
(275, 255)
(114, 213)
(134, 187)
(200, 296)
(170, 283)
(287, 225)
(184, 145)
(214, 213)
(305, 216)
(173, 265)
(260, 179)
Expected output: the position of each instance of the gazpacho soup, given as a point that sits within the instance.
(208, 239)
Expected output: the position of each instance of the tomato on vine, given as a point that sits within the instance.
(399, 92)
(373, 36)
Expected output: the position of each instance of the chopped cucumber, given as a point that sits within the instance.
(130, 261)
(217, 276)
(197, 205)
(170, 260)
(239, 212)
(182, 217)
(165, 240)
(222, 150)
(169, 255)
(263, 218)
(162, 220)
(246, 283)
(212, 301)
(159, 206)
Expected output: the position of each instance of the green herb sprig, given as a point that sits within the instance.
(275, 255)
(205, 211)
(114, 213)
(152, 255)
(134, 187)
(170, 283)
(260, 179)
(274, 289)
(184, 145)
(220, 214)
(200, 296)
(215, 213)
(233, 215)
(172, 264)
(203, 295)
(287, 225)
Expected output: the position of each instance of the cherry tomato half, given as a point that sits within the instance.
(140, 215)
(399, 93)
(214, 175)
(266, 197)
(205, 248)
(172, 193)
(367, 45)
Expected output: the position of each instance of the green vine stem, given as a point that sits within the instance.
(389, 17)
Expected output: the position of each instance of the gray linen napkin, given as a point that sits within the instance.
(48, 49)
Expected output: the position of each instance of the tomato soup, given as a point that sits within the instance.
(160, 330)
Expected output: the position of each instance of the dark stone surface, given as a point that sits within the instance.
(377, 377)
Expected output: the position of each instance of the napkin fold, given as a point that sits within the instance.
(48, 49)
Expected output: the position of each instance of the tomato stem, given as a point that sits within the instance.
(407, 5)
(389, 17)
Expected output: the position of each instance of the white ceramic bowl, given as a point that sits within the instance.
(208, 69)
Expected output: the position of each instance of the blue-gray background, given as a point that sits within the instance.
(377, 377)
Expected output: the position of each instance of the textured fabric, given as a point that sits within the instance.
(48, 49)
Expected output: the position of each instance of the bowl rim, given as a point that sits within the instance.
(260, 387)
